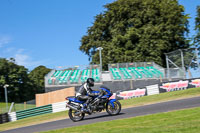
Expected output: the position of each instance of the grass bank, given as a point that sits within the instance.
(16, 107)
(181, 121)
(34, 120)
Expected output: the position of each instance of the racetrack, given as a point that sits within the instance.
(125, 113)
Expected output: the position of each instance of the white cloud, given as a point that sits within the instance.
(4, 40)
(21, 59)
(25, 60)
(21, 56)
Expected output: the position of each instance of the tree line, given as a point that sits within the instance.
(23, 85)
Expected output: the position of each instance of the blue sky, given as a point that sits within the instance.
(48, 32)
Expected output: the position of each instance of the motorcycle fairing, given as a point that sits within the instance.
(111, 101)
(75, 100)
(108, 93)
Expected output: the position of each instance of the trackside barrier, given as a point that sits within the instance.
(58, 107)
(152, 89)
(34, 111)
(12, 116)
(51, 108)
(4, 118)
(158, 88)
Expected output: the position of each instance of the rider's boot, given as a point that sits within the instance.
(89, 110)
(86, 108)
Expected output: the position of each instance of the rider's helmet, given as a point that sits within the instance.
(90, 82)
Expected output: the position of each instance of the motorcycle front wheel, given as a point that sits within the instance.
(75, 115)
(113, 110)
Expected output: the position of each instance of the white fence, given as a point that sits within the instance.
(58, 107)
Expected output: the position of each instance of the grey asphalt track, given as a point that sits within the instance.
(125, 113)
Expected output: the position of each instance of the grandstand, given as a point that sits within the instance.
(120, 76)
(135, 71)
(75, 76)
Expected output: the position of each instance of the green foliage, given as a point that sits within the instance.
(197, 28)
(22, 86)
(37, 78)
(17, 78)
(136, 30)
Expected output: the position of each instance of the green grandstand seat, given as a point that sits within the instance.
(65, 79)
(65, 76)
(126, 73)
(135, 72)
(56, 76)
(96, 74)
(49, 81)
(85, 75)
(152, 69)
(75, 76)
(145, 72)
(116, 74)
(59, 73)
(155, 72)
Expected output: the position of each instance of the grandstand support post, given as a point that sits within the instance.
(100, 48)
(6, 96)
(196, 51)
(168, 74)
(131, 84)
(182, 61)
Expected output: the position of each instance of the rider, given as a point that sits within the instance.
(85, 93)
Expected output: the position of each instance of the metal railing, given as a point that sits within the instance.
(34, 111)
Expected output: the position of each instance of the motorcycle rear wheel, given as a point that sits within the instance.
(74, 117)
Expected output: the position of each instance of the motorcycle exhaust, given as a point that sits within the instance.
(71, 107)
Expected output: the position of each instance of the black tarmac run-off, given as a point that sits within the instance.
(125, 113)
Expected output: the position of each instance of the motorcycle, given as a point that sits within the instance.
(98, 104)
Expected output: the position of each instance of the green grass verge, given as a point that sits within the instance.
(182, 121)
(34, 120)
(16, 107)
(125, 103)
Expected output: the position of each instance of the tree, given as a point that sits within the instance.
(16, 77)
(37, 77)
(22, 86)
(197, 28)
(136, 30)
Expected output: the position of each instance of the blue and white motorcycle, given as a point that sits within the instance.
(98, 104)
